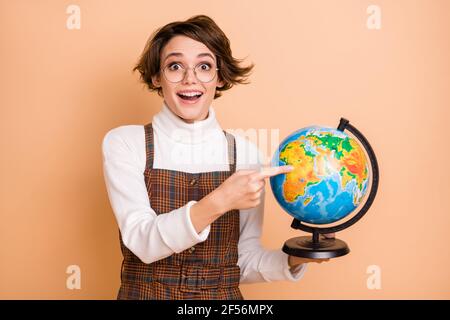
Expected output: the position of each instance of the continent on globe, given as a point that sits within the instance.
(330, 175)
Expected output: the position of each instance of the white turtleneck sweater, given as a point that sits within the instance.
(190, 147)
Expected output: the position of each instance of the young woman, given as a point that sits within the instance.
(188, 196)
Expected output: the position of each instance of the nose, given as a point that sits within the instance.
(189, 76)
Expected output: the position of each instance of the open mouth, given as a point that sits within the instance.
(190, 96)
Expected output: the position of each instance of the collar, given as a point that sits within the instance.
(178, 130)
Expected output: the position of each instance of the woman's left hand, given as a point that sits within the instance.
(295, 261)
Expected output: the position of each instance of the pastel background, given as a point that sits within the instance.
(315, 61)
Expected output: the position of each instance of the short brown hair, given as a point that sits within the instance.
(200, 28)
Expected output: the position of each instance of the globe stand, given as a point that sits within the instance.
(314, 247)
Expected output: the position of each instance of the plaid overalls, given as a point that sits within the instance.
(207, 270)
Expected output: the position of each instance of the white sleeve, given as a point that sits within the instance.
(257, 263)
(149, 236)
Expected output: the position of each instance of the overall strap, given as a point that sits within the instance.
(231, 151)
(149, 146)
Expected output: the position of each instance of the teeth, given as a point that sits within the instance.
(190, 94)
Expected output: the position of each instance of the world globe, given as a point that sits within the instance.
(330, 176)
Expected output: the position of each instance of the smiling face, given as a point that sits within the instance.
(182, 51)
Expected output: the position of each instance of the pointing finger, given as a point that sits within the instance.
(272, 171)
(245, 171)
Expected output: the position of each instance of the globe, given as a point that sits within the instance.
(330, 176)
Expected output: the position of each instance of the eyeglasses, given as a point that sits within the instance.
(175, 72)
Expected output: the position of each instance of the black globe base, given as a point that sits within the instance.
(305, 247)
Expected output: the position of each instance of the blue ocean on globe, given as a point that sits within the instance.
(330, 176)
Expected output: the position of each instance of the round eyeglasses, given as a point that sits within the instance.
(204, 72)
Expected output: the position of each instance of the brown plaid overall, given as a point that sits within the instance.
(208, 270)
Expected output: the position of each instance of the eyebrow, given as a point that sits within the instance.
(179, 54)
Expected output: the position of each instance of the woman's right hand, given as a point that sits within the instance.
(243, 189)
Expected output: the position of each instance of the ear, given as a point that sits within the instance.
(155, 81)
(220, 84)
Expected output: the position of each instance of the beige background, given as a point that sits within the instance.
(62, 90)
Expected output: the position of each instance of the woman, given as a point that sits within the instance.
(188, 196)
